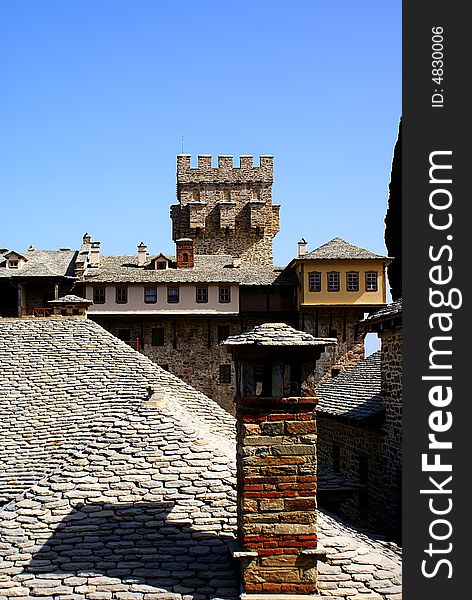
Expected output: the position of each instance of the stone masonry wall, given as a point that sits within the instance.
(226, 210)
(391, 360)
(276, 473)
(354, 443)
(190, 350)
(340, 323)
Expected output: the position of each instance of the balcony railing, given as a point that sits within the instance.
(36, 312)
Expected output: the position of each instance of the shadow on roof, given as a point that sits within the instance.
(140, 543)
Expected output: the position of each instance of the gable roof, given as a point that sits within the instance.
(121, 478)
(213, 268)
(354, 394)
(276, 334)
(391, 311)
(339, 249)
(43, 263)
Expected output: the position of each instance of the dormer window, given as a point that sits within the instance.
(12, 264)
(161, 265)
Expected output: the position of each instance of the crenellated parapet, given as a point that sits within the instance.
(227, 209)
(226, 171)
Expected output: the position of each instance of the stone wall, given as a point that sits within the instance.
(356, 444)
(276, 473)
(391, 357)
(340, 323)
(190, 348)
(226, 210)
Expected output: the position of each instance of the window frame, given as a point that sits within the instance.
(311, 285)
(356, 288)
(118, 291)
(338, 288)
(176, 299)
(97, 289)
(161, 336)
(368, 288)
(198, 289)
(221, 292)
(150, 289)
(224, 374)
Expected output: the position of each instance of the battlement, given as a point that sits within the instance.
(226, 171)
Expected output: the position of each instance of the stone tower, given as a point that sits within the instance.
(226, 209)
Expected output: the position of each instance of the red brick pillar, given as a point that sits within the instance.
(276, 469)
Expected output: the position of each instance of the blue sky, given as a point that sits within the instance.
(95, 96)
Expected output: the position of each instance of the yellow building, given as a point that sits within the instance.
(340, 274)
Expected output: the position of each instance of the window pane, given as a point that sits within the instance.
(333, 282)
(352, 282)
(173, 294)
(314, 282)
(371, 281)
(202, 294)
(99, 295)
(121, 295)
(225, 294)
(150, 295)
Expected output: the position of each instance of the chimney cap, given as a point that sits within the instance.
(142, 245)
(302, 241)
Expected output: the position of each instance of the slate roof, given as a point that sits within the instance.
(70, 299)
(276, 334)
(392, 310)
(354, 394)
(43, 263)
(215, 268)
(120, 480)
(339, 249)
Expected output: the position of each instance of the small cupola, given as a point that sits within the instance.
(184, 253)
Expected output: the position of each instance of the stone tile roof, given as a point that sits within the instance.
(70, 299)
(215, 268)
(131, 493)
(392, 310)
(43, 263)
(276, 334)
(46, 408)
(339, 249)
(353, 394)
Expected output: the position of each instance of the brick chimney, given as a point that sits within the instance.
(142, 254)
(276, 460)
(302, 247)
(184, 252)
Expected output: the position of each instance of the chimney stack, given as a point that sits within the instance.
(95, 254)
(142, 254)
(302, 247)
(276, 460)
(185, 253)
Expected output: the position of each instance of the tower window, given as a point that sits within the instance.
(352, 281)
(371, 281)
(185, 257)
(333, 281)
(314, 281)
